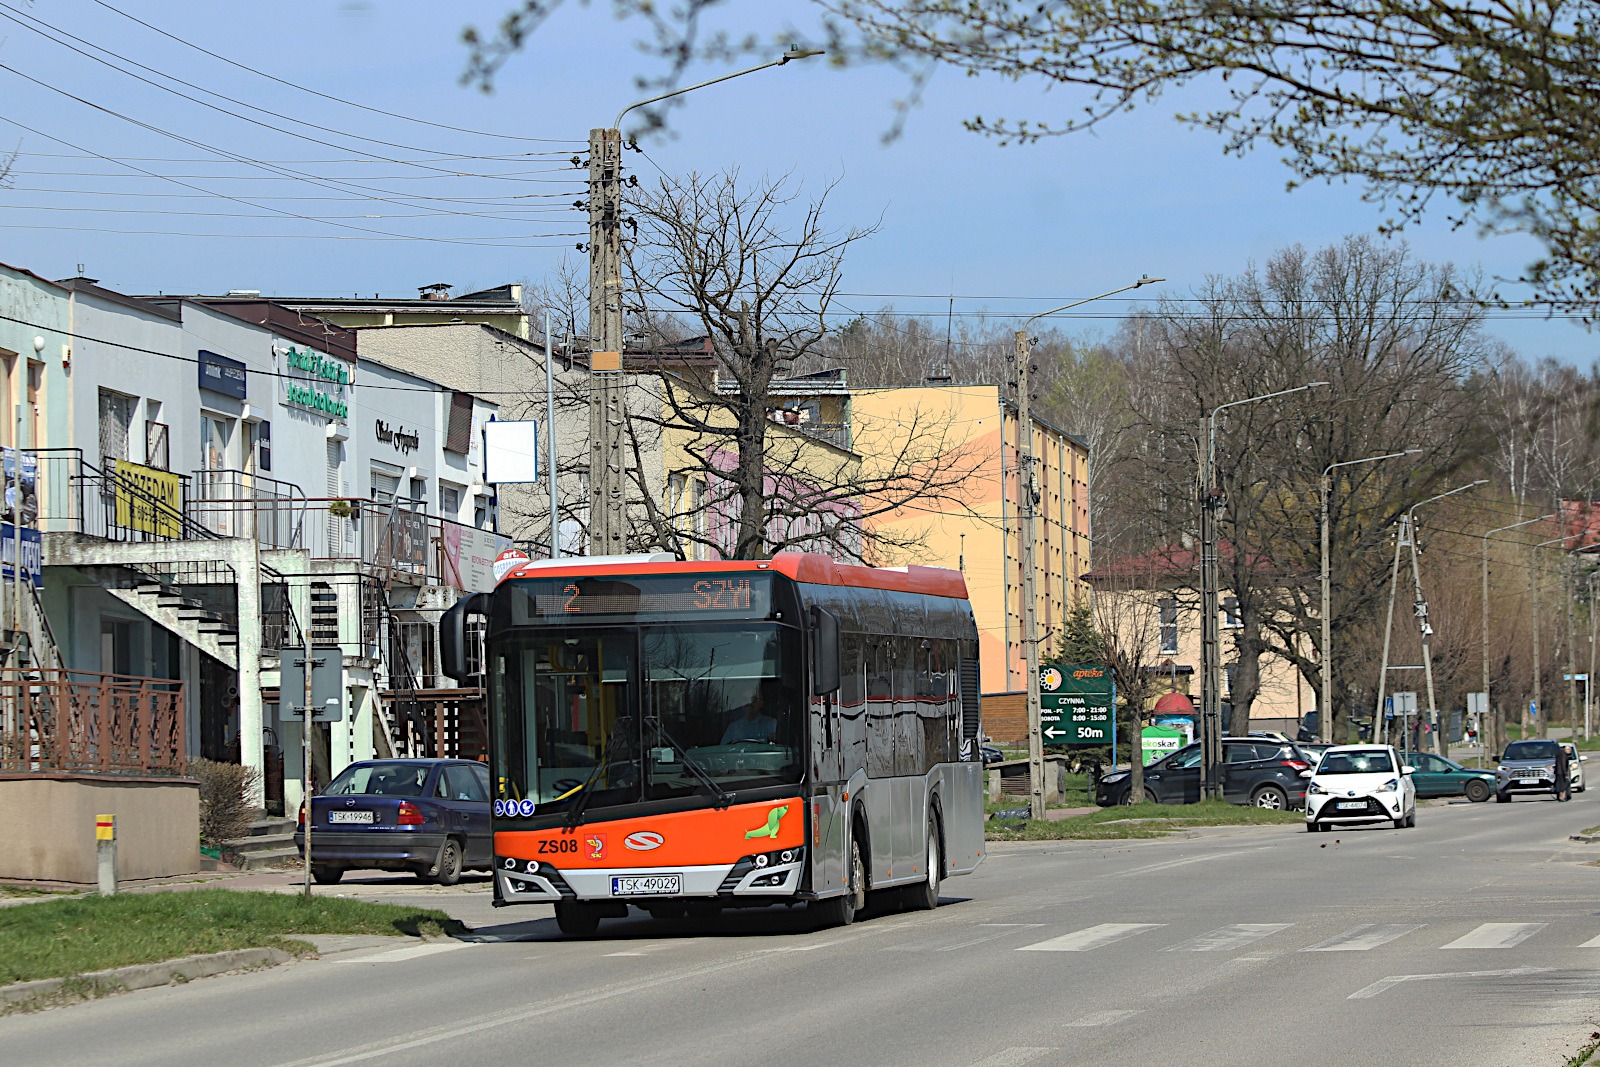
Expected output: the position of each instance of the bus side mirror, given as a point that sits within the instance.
(826, 654)
(453, 634)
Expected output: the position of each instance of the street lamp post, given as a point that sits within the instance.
(1210, 659)
(1026, 504)
(607, 492)
(1496, 738)
(1325, 703)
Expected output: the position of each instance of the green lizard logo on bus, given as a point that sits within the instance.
(771, 829)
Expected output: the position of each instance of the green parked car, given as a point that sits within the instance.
(1438, 777)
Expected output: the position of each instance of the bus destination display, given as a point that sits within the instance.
(740, 596)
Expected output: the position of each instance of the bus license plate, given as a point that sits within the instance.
(645, 885)
(1349, 806)
(351, 816)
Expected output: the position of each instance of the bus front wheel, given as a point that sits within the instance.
(841, 910)
(576, 918)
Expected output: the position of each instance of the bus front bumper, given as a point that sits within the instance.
(765, 875)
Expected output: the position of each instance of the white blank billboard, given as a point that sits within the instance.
(510, 452)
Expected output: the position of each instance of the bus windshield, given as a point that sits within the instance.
(627, 714)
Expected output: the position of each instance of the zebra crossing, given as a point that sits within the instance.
(1362, 938)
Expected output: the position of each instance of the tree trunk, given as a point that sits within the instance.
(1247, 646)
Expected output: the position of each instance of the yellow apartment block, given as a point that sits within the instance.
(972, 429)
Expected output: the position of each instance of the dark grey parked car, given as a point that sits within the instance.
(1254, 771)
(428, 816)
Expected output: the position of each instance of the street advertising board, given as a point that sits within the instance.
(147, 499)
(469, 556)
(32, 557)
(1076, 703)
(1160, 742)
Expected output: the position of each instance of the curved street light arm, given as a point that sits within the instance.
(792, 53)
(1330, 468)
(1411, 512)
(1146, 280)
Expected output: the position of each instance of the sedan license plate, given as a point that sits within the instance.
(1347, 805)
(645, 885)
(365, 817)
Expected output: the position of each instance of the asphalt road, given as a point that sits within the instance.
(1472, 939)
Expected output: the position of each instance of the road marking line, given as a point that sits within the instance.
(646, 950)
(1593, 942)
(387, 1047)
(1013, 1057)
(1169, 864)
(1105, 1018)
(1034, 924)
(1228, 937)
(396, 955)
(1367, 992)
(1496, 935)
(1363, 938)
(1092, 938)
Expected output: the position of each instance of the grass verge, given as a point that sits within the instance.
(1142, 820)
(59, 938)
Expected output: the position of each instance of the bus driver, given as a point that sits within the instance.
(752, 725)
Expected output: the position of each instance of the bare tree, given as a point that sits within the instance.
(748, 271)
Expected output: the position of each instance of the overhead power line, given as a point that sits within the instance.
(335, 99)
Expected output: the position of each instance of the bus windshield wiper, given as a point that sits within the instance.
(582, 802)
(723, 797)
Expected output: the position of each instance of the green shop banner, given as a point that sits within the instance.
(1076, 703)
(1162, 741)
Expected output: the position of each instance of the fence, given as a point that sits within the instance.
(106, 724)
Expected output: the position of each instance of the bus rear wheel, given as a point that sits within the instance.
(841, 910)
(924, 896)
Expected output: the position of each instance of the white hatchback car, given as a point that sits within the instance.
(1360, 784)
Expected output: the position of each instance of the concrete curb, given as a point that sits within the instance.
(142, 976)
(1587, 839)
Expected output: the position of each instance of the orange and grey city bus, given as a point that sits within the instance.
(690, 736)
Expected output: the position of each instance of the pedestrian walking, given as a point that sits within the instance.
(1563, 774)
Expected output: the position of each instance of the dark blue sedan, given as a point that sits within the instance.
(427, 816)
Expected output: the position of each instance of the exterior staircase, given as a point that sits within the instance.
(201, 627)
(270, 841)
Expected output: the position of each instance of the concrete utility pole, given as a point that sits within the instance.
(1496, 739)
(1210, 631)
(607, 484)
(1533, 582)
(606, 489)
(1325, 702)
(1027, 503)
(1380, 721)
(550, 434)
(1440, 745)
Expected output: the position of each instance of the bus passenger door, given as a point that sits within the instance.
(829, 813)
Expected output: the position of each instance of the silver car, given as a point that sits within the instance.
(1526, 767)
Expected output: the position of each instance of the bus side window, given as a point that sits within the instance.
(908, 754)
(853, 702)
(880, 707)
(938, 706)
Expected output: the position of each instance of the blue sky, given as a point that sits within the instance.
(1004, 228)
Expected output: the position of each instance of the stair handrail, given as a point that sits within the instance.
(186, 526)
